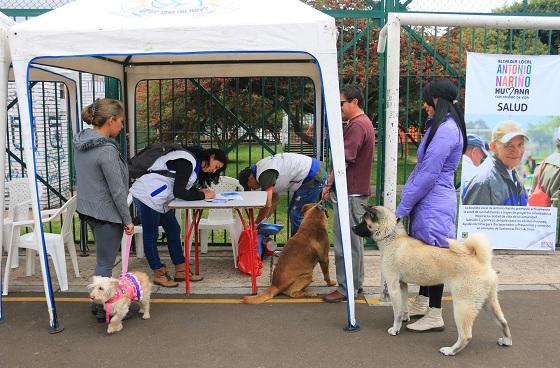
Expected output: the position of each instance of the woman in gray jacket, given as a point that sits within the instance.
(102, 181)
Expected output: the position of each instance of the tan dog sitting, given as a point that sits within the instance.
(294, 271)
(116, 295)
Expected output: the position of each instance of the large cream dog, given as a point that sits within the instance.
(464, 268)
(294, 271)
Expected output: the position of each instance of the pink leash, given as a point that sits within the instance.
(123, 273)
(125, 256)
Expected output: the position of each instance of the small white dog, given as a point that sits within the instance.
(116, 295)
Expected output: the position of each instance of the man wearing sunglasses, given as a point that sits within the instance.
(359, 146)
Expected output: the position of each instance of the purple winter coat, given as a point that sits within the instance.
(428, 196)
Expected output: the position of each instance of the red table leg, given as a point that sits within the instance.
(196, 219)
(197, 214)
(254, 263)
(188, 230)
(187, 253)
(254, 254)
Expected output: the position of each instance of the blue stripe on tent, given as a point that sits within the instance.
(53, 323)
(351, 320)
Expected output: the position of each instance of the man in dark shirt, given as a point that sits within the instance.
(359, 147)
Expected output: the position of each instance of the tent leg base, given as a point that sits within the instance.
(55, 329)
(350, 328)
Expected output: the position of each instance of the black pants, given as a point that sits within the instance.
(435, 293)
(107, 236)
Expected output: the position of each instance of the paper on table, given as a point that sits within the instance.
(224, 197)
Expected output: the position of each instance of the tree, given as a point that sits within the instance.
(539, 7)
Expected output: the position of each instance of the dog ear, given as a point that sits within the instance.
(306, 207)
(94, 280)
(369, 208)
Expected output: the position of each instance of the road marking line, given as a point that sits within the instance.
(177, 300)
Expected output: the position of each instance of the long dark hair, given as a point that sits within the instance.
(205, 179)
(447, 94)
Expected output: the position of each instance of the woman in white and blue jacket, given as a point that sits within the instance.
(193, 170)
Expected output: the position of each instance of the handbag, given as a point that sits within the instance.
(247, 249)
(539, 198)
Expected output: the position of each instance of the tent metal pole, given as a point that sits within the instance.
(21, 72)
(5, 65)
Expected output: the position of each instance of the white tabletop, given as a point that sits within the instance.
(256, 199)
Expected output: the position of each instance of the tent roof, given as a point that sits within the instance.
(5, 21)
(118, 29)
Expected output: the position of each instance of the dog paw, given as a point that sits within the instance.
(114, 328)
(393, 331)
(447, 350)
(146, 316)
(505, 341)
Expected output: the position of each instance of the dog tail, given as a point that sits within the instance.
(479, 245)
(270, 293)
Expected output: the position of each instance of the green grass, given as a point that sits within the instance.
(240, 159)
(246, 155)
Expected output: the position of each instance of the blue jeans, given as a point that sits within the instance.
(151, 220)
(301, 197)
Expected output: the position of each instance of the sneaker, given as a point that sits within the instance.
(100, 314)
(131, 313)
(94, 307)
(419, 307)
(432, 321)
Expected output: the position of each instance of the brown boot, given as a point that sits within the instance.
(163, 279)
(180, 274)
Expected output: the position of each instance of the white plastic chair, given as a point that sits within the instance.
(19, 203)
(54, 243)
(138, 240)
(222, 219)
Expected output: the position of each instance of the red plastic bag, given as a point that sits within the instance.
(246, 250)
(539, 198)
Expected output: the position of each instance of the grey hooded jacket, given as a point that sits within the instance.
(102, 177)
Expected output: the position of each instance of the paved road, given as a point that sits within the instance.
(223, 333)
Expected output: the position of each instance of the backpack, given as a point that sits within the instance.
(139, 164)
(539, 198)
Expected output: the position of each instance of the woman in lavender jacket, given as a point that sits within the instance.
(429, 196)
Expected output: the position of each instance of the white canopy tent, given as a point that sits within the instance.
(220, 38)
(35, 74)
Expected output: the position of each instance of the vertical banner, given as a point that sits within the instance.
(510, 176)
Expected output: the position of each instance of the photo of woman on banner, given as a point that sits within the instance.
(496, 181)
